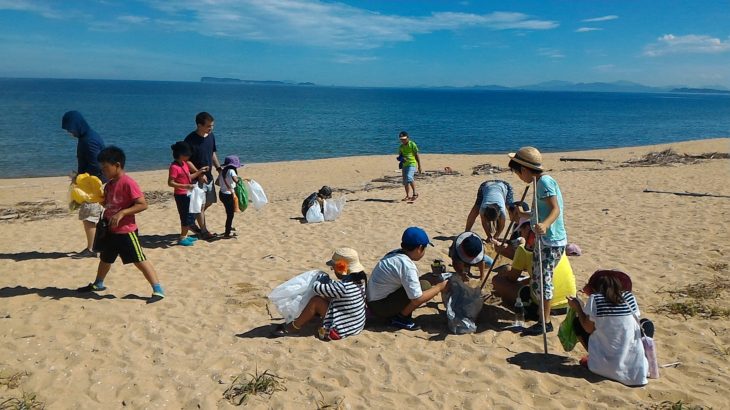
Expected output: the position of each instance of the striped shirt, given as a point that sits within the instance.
(604, 307)
(346, 311)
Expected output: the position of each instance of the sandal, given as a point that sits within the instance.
(406, 199)
(414, 197)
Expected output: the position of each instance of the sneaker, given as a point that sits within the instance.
(186, 242)
(91, 288)
(536, 329)
(156, 297)
(402, 322)
(86, 253)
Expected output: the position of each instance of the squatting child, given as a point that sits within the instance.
(122, 200)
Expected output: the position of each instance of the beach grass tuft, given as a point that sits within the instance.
(718, 266)
(675, 405)
(11, 380)
(28, 401)
(694, 299)
(338, 404)
(243, 386)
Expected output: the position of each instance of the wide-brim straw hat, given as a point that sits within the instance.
(529, 157)
(350, 256)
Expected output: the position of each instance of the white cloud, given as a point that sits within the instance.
(602, 18)
(331, 25)
(352, 59)
(133, 19)
(550, 53)
(691, 43)
(31, 6)
(587, 29)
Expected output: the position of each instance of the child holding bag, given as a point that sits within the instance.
(180, 178)
(608, 327)
(227, 179)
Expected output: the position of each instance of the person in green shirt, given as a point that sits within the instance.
(408, 150)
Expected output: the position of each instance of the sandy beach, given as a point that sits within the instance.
(112, 350)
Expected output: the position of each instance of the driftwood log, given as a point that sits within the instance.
(581, 159)
(686, 193)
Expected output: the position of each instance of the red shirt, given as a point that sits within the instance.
(181, 175)
(120, 194)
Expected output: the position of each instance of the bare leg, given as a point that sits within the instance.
(408, 192)
(183, 231)
(148, 271)
(546, 313)
(316, 306)
(90, 230)
(413, 187)
(102, 270)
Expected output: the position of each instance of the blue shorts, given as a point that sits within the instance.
(409, 172)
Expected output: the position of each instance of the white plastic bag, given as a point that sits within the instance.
(314, 214)
(292, 296)
(197, 199)
(333, 208)
(463, 306)
(256, 194)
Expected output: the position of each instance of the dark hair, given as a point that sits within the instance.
(402, 134)
(610, 287)
(522, 204)
(516, 168)
(181, 148)
(112, 155)
(410, 248)
(203, 117)
(490, 213)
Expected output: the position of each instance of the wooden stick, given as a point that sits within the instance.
(506, 234)
(650, 191)
(538, 249)
(581, 159)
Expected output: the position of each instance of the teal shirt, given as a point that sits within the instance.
(555, 235)
(409, 152)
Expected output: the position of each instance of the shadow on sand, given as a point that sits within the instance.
(25, 256)
(51, 292)
(553, 364)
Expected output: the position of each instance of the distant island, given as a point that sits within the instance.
(699, 90)
(224, 80)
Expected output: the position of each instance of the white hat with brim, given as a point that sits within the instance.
(529, 157)
(350, 256)
(473, 257)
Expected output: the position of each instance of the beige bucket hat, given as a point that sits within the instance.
(350, 256)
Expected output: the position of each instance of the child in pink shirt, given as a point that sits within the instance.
(122, 200)
(181, 179)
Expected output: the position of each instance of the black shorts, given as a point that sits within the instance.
(125, 245)
(182, 202)
(392, 304)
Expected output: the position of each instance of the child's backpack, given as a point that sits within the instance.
(241, 194)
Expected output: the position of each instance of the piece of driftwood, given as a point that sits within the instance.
(581, 159)
(487, 169)
(686, 193)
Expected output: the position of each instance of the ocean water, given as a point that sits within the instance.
(276, 123)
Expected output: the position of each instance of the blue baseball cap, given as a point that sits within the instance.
(415, 236)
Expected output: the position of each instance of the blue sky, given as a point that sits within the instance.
(370, 43)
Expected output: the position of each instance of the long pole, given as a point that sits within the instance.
(538, 249)
(506, 235)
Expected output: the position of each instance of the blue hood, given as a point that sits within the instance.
(89, 145)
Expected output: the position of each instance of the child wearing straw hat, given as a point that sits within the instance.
(341, 303)
(547, 223)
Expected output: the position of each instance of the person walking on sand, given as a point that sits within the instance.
(202, 140)
(87, 148)
(123, 198)
(411, 162)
